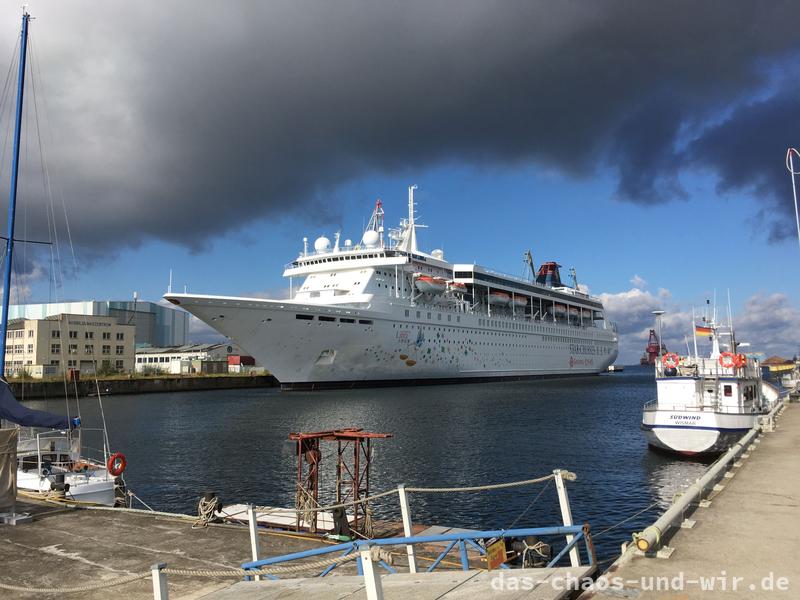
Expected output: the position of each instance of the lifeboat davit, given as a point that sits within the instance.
(458, 287)
(499, 298)
(520, 301)
(429, 284)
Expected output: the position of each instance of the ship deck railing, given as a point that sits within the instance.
(655, 405)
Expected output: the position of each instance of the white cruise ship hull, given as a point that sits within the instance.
(315, 345)
(692, 432)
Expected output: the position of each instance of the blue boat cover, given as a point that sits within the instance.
(13, 411)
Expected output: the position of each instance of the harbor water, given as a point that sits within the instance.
(234, 442)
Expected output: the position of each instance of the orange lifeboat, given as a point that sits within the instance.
(430, 285)
(499, 298)
(458, 287)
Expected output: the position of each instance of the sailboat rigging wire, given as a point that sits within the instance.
(790, 153)
(59, 189)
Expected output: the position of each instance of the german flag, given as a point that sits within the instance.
(703, 331)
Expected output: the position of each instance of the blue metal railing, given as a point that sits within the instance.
(463, 540)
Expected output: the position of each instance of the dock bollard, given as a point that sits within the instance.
(405, 511)
(372, 580)
(252, 523)
(160, 591)
(566, 514)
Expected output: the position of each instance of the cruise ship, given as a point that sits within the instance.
(382, 312)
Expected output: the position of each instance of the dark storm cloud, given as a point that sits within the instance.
(181, 121)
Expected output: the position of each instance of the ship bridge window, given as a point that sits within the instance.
(304, 317)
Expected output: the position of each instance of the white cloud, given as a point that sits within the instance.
(200, 333)
(769, 322)
(638, 282)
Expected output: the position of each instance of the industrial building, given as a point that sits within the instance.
(48, 347)
(156, 324)
(193, 359)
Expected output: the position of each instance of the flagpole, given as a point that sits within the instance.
(694, 333)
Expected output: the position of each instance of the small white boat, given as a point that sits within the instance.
(50, 464)
(704, 405)
(430, 285)
(499, 298)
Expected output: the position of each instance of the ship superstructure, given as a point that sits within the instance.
(381, 311)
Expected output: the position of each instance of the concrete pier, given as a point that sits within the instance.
(744, 543)
(66, 547)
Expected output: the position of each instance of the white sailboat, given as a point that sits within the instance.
(52, 456)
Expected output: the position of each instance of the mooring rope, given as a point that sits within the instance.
(495, 486)
(80, 588)
(566, 475)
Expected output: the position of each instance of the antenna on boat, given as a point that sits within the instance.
(574, 276)
(169, 285)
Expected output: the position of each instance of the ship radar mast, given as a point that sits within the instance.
(408, 235)
(376, 222)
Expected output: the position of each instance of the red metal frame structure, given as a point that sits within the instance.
(352, 478)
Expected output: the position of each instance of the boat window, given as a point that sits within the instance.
(328, 319)
(729, 390)
(304, 317)
(346, 320)
(365, 321)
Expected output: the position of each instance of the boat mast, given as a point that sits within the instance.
(12, 198)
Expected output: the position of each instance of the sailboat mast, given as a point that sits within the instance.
(12, 198)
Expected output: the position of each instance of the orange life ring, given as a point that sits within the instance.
(727, 360)
(670, 360)
(116, 464)
(741, 360)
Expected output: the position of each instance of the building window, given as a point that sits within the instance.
(106, 364)
(120, 350)
(106, 335)
(19, 333)
(106, 349)
(30, 332)
(55, 333)
(88, 349)
(73, 348)
(73, 335)
(30, 348)
(55, 363)
(120, 336)
(89, 335)
(120, 365)
(72, 363)
(55, 348)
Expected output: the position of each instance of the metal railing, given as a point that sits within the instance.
(464, 540)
